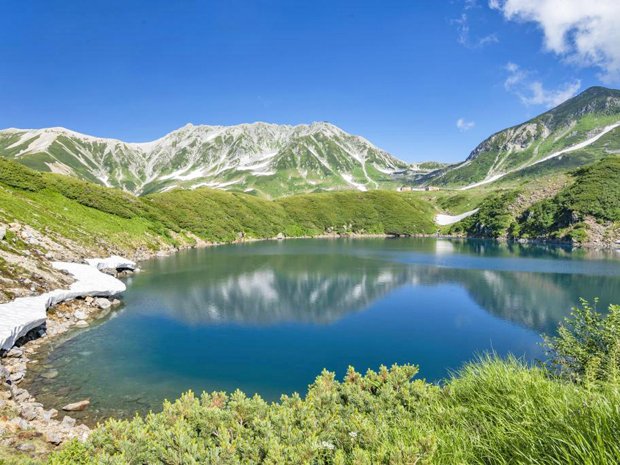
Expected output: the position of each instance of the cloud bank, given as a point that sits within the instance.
(584, 32)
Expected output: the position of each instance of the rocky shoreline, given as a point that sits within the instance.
(25, 425)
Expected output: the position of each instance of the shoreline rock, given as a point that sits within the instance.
(77, 406)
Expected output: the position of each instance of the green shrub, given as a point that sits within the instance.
(15, 175)
(493, 219)
(587, 346)
(492, 412)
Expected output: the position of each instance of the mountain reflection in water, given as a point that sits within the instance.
(318, 286)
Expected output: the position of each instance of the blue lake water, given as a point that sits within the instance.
(267, 317)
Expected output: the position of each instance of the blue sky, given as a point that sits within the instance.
(425, 80)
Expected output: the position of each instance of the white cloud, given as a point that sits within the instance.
(469, 4)
(550, 98)
(584, 32)
(464, 125)
(515, 76)
(464, 36)
(532, 92)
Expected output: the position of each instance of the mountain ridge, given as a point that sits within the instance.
(520, 146)
(316, 156)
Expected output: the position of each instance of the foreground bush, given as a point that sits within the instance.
(587, 346)
(494, 411)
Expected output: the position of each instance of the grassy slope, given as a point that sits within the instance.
(90, 214)
(591, 193)
(594, 194)
(78, 211)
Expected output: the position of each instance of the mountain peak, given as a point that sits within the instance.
(571, 134)
(596, 91)
(261, 157)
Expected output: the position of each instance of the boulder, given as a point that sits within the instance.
(80, 315)
(68, 422)
(82, 432)
(26, 447)
(53, 437)
(4, 374)
(29, 412)
(47, 415)
(17, 376)
(2, 232)
(50, 374)
(103, 303)
(20, 423)
(15, 352)
(77, 406)
(20, 395)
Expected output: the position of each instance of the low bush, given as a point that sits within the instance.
(586, 348)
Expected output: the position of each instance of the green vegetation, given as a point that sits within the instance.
(374, 212)
(492, 412)
(493, 219)
(591, 196)
(594, 194)
(587, 346)
(94, 216)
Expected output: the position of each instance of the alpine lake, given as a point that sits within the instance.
(267, 317)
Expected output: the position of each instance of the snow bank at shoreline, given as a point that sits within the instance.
(113, 262)
(444, 220)
(26, 313)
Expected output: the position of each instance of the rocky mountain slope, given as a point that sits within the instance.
(268, 159)
(581, 130)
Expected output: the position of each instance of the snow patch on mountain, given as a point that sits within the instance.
(348, 178)
(200, 155)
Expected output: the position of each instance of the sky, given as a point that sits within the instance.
(422, 79)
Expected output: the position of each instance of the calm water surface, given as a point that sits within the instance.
(267, 317)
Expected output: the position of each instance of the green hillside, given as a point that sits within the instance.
(586, 210)
(96, 216)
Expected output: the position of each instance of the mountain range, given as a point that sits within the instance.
(268, 159)
(276, 160)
